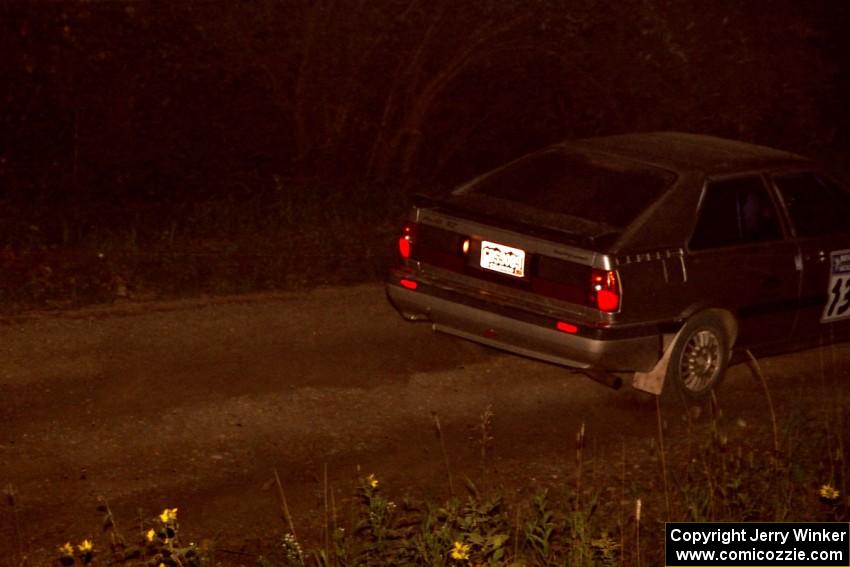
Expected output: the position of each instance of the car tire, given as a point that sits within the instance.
(699, 357)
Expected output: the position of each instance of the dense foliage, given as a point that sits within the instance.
(126, 124)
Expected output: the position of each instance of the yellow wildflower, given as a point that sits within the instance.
(168, 515)
(460, 551)
(86, 546)
(150, 534)
(372, 481)
(67, 549)
(829, 492)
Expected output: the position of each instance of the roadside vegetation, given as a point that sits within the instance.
(299, 235)
(608, 509)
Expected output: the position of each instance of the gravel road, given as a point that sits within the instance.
(194, 404)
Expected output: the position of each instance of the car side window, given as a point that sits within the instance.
(817, 206)
(735, 211)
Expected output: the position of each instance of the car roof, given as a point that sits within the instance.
(682, 152)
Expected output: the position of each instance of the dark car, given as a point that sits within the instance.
(655, 254)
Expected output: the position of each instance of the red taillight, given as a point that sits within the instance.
(607, 300)
(605, 290)
(409, 284)
(566, 327)
(404, 247)
(405, 243)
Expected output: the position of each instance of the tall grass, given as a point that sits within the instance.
(600, 511)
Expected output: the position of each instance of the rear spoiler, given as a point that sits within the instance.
(561, 236)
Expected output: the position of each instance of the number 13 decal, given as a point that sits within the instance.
(838, 302)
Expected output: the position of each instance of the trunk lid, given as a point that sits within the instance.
(512, 261)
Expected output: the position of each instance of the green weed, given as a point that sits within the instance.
(716, 473)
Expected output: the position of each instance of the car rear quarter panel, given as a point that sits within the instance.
(652, 287)
(650, 257)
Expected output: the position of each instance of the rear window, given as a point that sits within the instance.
(593, 189)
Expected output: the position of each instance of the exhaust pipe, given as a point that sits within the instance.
(612, 381)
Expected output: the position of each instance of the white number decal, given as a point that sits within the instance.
(838, 302)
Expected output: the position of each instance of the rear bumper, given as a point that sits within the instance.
(526, 332)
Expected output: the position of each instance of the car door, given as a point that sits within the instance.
(819, 211)
(740, 259)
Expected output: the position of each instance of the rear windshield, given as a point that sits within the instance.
(589, 188)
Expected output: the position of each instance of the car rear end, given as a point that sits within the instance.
(519, 260)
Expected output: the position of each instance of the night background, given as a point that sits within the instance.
(200, 200)
(161, 149)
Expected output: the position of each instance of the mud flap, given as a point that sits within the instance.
(653, 381)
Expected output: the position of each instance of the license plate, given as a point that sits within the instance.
(502, 259)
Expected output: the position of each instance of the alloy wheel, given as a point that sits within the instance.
(700, 362)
